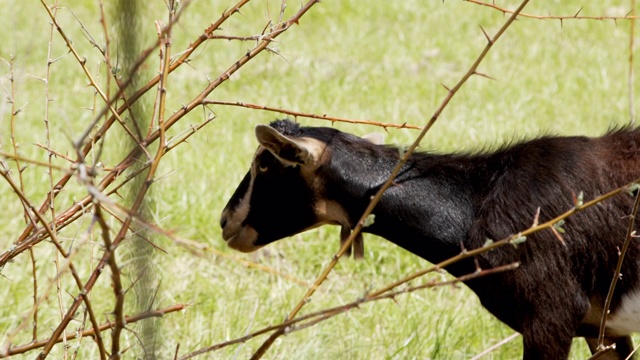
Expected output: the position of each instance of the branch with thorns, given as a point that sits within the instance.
(34, 233)
(21, 349)
(303, 322)
(629, 16)
(98, 195)
(311, 116)
(356, 231)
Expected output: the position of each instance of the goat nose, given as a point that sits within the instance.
(223, 221)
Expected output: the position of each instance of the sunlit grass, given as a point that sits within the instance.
(382, 61)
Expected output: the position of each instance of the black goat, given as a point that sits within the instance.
(304, 177)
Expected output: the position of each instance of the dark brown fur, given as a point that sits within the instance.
(441, 202)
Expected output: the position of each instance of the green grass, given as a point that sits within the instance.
(382, 61)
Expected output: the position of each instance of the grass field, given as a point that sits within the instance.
(383, 61)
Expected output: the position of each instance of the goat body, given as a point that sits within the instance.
(304, 177)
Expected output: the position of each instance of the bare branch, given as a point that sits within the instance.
(625, 246)
(575, 16)
(347, 243)
(92, 332)
(312, 116)
(291, 325)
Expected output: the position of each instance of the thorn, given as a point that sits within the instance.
(483, 75)
(486, 35)
(536, 218)
(576, 15)
(557, 234)
(118, 195)
(445, 86)
(463, 249)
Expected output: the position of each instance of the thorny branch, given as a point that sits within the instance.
(99, 134)
(28, 241)
(83, 295)
(631, 77)
(312, 116)
(27, 238)
(347, 243)
(72, 213)
(82, 62)
(92, 332)
(513, 238)
(27, 216)
(49, 167)
(292, 325)
(561, 18)
(631, 234)
(33, 235)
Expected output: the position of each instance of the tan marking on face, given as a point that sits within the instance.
(327, 211)
(317, 151)
(240, 237)
(243, 238)
(330, 212)
(312, 150)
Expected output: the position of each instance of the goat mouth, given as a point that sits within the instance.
(228, 235)
(242, 239)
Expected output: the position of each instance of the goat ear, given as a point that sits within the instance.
(292, 151)
(375, 138)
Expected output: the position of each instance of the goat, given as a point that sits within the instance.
(304, 177)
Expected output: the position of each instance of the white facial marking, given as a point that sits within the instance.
(626, 319)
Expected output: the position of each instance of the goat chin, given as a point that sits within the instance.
(243, 240)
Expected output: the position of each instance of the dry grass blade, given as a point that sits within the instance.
(495, 346)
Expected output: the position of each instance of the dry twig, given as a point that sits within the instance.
(631, 234)
(561, 18)
(92, 332)
(294, 324)
(312, 116)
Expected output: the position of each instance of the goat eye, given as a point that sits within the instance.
(263, 169)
